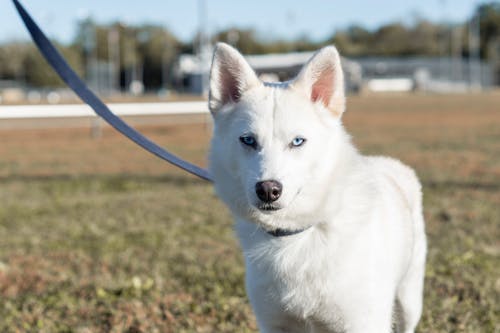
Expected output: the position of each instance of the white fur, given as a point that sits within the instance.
(364, 251)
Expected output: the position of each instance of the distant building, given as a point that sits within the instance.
(425, 74)
(190, 72)
(377, 74)
(101, 77)
(494, 59)
(11, 91)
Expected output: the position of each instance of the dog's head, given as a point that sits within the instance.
(275, 144)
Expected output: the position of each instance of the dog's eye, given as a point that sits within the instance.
(297, 142)
(248, 140)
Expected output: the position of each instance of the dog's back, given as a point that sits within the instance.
(402, 177)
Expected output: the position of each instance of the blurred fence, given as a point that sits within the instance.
(83, 110)
(13, 117)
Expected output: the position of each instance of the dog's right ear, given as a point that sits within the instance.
(230, 77)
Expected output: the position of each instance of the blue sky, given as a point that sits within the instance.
(271, 18)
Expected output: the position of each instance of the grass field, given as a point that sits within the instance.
(97, 235)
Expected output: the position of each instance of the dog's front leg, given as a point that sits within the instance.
(281, 326)
(271, 318)
(376, 319)
(269, 312)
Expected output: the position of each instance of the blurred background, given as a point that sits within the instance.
(96, 235)
(160, 47)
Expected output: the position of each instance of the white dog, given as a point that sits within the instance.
(333, 241)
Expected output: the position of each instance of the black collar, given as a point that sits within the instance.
(285, 232)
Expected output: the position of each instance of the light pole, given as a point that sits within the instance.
(203, 47)
(474, 56)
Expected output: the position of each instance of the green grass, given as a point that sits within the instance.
(122, 252)
(145, 248)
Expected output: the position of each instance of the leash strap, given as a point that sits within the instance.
(67, 74)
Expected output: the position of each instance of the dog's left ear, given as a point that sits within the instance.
(322, 80)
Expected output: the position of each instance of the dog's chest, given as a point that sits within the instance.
(299, 277)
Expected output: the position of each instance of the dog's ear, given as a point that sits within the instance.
(230, 77)
(322, 80)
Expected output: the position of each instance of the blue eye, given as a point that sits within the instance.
(297, 142)
(248, 140)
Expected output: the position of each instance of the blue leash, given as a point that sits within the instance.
(67, 74)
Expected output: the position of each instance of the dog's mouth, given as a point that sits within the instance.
(268, 207)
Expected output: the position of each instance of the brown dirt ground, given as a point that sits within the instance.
(374, 121)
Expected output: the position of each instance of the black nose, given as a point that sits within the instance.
(268, 190)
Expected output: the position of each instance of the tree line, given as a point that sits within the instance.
(148, 52)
